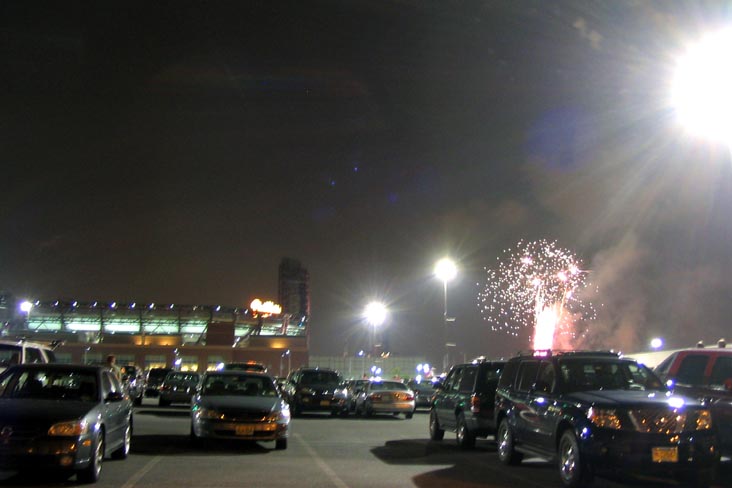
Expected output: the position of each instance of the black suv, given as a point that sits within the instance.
(464, 402)
(314, 390)
(596, 412)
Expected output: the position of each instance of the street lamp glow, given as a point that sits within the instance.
(375, 313)
(656, 343)
(445, 269)
(26, 306)
(701, 92)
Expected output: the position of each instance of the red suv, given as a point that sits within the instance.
(705, 373)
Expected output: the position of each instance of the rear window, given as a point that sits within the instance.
(320, 378)
(508, 374)
(488, 377)
(691, 369)
(722, 371)
(157, 374)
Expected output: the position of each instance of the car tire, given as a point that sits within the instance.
(465, 438)
(507, 453)
(124, 449)
(163, 403)
(436, 433)
(90, 474)
(138, 401)
(368, 411)
(573, 470)
(409, 415)
(281, 444)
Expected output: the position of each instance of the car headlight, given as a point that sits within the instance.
(604, 418)
(703, 420)
(208, 413)
(281, 417)
(73, 428)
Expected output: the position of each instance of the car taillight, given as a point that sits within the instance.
(375, 397)
(408, 397)
(475, 404)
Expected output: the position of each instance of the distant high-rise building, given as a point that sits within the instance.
(294, 290)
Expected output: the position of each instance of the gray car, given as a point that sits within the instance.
(63, 418)
(178, 387)
(239, 405)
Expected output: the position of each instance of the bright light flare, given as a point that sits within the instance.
(701, 93)
(375, 313)
(445, 269)
(26, 306)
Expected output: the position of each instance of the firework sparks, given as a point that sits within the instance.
(535, 290)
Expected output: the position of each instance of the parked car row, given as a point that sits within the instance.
(592, 413)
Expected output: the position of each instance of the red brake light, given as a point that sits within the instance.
(475, 404)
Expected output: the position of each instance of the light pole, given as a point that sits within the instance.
(375, 315)
(445, 270)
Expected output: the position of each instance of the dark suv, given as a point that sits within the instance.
(464, 402)
(314, 390)
(596, 412)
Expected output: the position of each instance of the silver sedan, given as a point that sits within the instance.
(381, 396)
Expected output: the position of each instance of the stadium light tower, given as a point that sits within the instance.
(445, 270)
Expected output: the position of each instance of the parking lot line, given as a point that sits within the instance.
(321, 463)
(142, 472)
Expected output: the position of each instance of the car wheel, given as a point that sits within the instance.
(465, 438)
(408, 415)
(368, 411)
(138, 401)
(507, 454)
(124, 449)
(91, 473)
(573, 470)
(436, 433)
(163, 403)
(281, 444)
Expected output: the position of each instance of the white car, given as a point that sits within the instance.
(24, 352)
(382, 396)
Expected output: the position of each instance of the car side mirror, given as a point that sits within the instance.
(115, 396)
(728, 384)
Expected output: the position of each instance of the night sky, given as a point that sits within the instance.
(175, 152)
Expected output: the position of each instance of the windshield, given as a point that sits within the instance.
(239, 385)
(586, 374)
(387, 385)
(182, 377)
(65, 385)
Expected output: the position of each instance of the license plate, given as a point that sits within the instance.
(324, 403)
(244, 429)
(665, 454)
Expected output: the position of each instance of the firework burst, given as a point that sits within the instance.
(536, 290)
